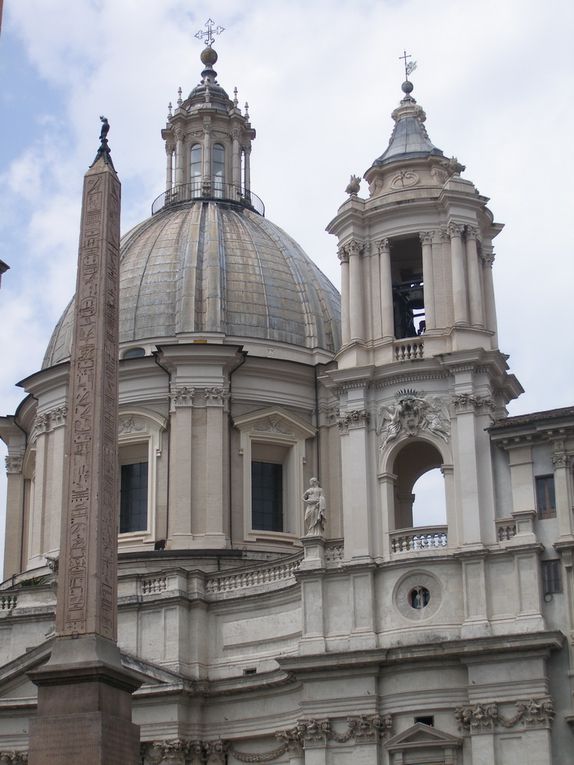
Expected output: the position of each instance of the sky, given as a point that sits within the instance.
(495, 78)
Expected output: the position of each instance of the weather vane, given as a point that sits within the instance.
(410, 66)
(211, 29)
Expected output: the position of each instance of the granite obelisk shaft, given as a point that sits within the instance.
(84, 694)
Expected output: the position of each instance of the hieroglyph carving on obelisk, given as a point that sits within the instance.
(88, 581)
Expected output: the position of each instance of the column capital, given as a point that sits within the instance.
(487, 259)
(14, 463)
(455, 229)
(342, 254)
(179, 133)
(559, 460)
(384, 246)
(426, 237)
(472, 232)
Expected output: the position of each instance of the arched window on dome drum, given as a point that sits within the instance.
(195, 169)
(218, 169)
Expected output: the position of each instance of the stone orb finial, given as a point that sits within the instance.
(407, 87)
(208, 56)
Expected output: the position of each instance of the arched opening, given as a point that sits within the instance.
(429, 506)
(195, 169)
(218, 169)
(420, 498)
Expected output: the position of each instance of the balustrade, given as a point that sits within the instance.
(419, 539)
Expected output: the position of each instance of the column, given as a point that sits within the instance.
(386, 289)
(179, 511)
(236, 159)
(561, 462)
(354, 461)
(426, 238)
(459, 294)
(168, 167)
(375, 278)
(14, 512)
(179, 169)
(489, 301)
(355, 291)
(474, 278)
(206, 179)
(247, 168)
(345, 323)
(216, 504)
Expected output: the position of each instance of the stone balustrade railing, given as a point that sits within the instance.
(405, 350)
(505, 529)
(419, 539)
(8, 602)
(281, 572)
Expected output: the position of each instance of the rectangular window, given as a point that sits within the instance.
(545, 496)
(266, 496)
(551, 578)
(133, 497)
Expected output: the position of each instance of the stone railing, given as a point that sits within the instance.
(153, 585)
(405, 350)
(280, 572)
(505, 529)
(8, 602)
(419, 539)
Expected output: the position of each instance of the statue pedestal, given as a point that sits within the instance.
(84, 706)
(313, 552)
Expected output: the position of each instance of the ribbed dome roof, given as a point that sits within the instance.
(210, 267)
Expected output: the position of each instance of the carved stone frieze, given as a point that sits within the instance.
(469, 402)
(477, 718)
(412, 414)
(272, 424)
(131, 424)
(13, 758)
(49, 420)
(355, 418)
(307, 733)
(404, 179)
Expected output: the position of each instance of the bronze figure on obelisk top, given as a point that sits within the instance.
(84, 694)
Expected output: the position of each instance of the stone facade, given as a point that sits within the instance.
(383, 640)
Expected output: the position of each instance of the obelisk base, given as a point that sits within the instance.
(84, 706)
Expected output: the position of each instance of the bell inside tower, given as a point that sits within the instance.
(408, 290)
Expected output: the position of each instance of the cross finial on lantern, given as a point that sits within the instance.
(207, 35)
(410, 66)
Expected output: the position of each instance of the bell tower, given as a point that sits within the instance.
(420, 377)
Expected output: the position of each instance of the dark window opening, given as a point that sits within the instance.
(425, 720)
(408, 293)
(545, 496)
(133, 497)
(134, 353)
(195, 169)
(218, 157)
(551, 576)
(267, 496)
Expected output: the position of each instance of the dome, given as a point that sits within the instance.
(208, 267)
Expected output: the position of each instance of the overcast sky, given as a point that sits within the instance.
(495, 77)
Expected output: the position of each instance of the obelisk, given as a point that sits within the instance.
(84, 694)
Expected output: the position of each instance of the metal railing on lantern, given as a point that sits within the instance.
(207, 191)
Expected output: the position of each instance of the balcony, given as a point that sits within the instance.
(420, 539)
(207, 191)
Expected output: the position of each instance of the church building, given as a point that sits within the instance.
(282, 596)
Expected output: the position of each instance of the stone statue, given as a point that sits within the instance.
(353, 186)
(104, 149)
(315, 506)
